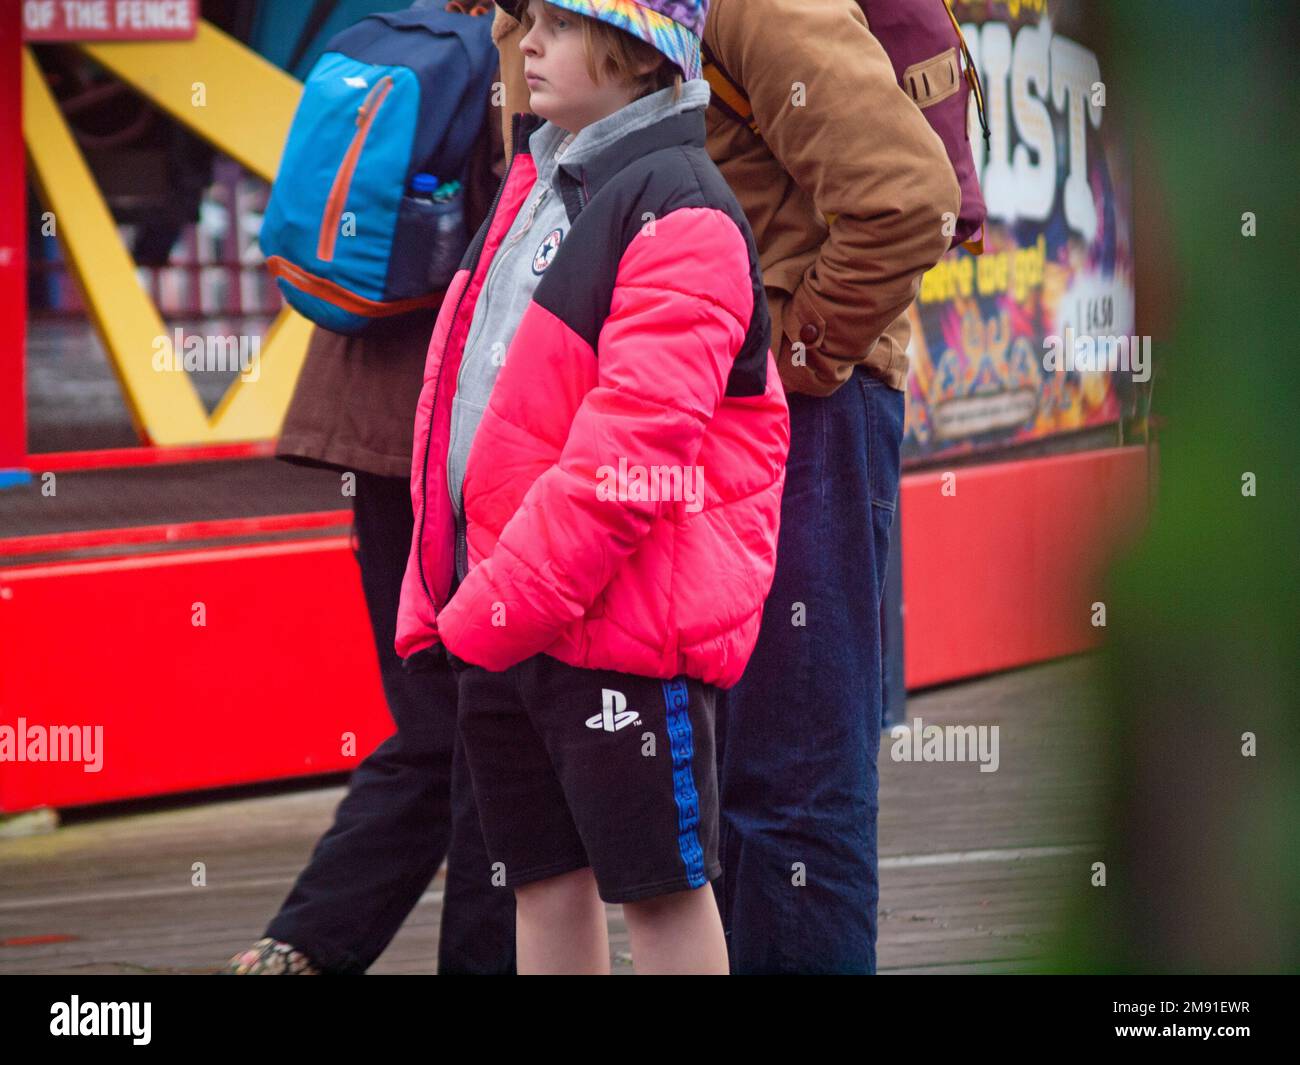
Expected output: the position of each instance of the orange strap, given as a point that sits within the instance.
(330, 292)
(728, 96)
(972, 75)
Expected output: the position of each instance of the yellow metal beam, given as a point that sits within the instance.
(164, 406)
(221, 89)
(243, 106)
(254, 410)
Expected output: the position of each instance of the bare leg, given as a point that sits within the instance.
(679, 933)
(560, 926)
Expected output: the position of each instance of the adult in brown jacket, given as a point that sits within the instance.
(845, 188)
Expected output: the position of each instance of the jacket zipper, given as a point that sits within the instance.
(487, 284)
(329, 226)
(437, 383)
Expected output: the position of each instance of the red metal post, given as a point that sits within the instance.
(13, 253)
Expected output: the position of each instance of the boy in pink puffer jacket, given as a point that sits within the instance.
(599, 457)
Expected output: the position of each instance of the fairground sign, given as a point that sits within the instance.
(1058, 253)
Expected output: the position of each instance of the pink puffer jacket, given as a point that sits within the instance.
(623, 489)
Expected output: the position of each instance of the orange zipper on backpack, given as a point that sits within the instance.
(329, 226)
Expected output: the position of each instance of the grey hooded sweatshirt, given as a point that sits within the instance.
(527, 250)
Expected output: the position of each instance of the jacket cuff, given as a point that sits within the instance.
(801, 321)
(426, 660)
(819, 374)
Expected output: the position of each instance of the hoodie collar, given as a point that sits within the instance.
(592, 140)
(601, 150)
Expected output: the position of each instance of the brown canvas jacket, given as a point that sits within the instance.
(839, 140)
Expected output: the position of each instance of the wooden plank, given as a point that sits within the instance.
(120, 884)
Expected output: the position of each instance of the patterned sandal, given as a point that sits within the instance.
(270, 957)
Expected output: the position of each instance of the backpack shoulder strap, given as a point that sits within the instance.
(730, 99)
(728, 96)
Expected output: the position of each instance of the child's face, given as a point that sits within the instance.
(555, 66)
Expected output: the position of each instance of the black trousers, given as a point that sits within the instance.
(409, 804)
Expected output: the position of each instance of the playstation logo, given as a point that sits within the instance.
(615, 715)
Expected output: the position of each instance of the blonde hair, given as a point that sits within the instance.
(613, 53)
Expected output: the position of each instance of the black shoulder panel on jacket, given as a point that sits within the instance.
(578, 286)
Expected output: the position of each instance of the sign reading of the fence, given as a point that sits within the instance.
(109, 20)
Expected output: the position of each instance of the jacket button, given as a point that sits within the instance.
(808, 333)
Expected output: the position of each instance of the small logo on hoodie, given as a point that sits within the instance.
(546, 250)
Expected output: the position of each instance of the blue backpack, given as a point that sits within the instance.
(366, 215)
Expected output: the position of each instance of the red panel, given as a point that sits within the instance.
(1001, 574)
(13, 245)
(1005, 572)
(180, 532)
(119, 457)
(284, 666)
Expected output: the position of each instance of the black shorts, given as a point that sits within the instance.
(581, 767)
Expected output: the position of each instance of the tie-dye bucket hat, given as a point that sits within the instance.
(673, 27)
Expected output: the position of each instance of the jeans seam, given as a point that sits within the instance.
(872, 457)
(783, 951)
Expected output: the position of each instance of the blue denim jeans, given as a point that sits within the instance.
(798, 737)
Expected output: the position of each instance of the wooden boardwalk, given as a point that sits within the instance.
(974, 866)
